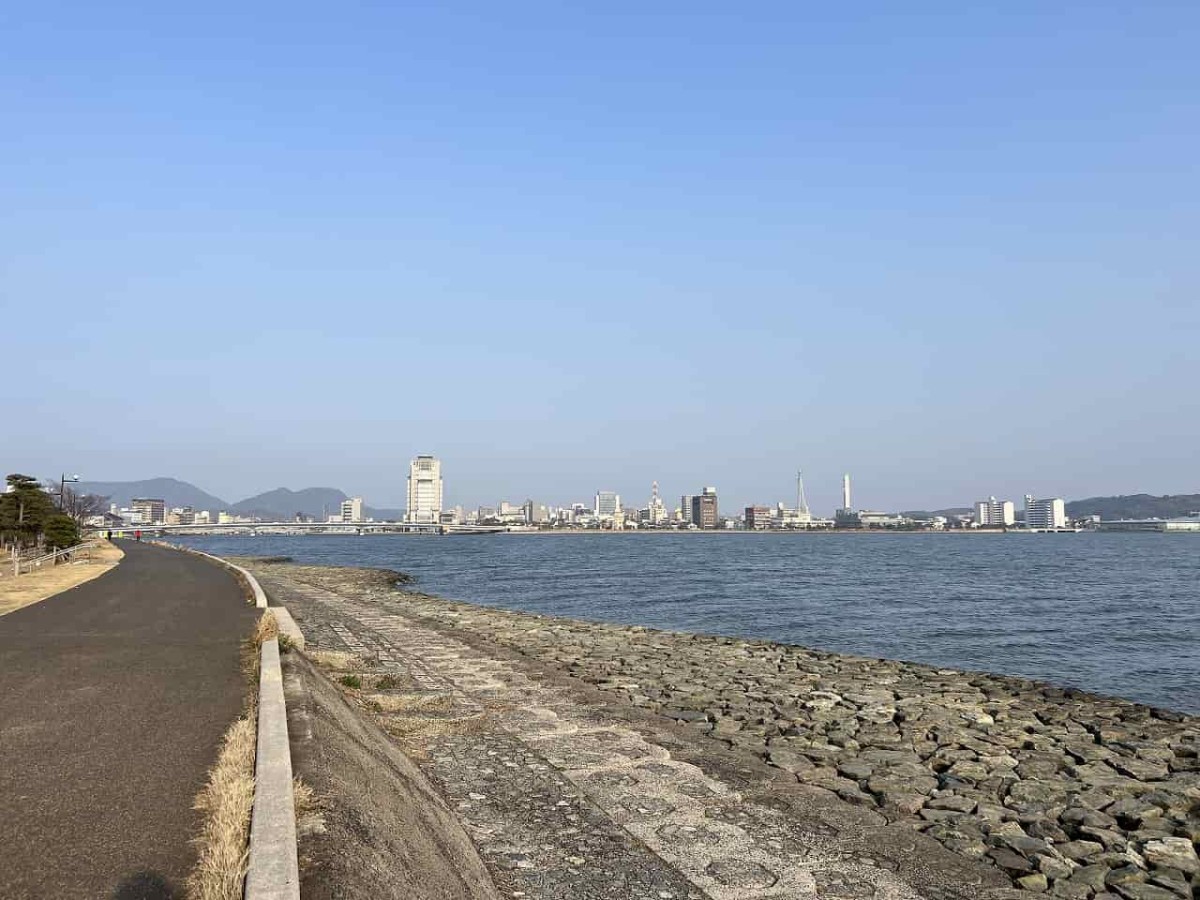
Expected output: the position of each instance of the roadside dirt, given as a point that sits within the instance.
(20, 591)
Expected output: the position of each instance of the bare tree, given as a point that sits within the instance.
(77, 505)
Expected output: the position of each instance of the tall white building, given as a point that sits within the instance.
(424, 491)
(993, 513)
(608, 504)
(1049, 513)
(352, 509)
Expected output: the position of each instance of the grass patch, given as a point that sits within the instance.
(335, 660)
(414, 732)
(387, 682)
(309, 819)
(393, 703)
(226, 802)
(350, 681)
(267, 629)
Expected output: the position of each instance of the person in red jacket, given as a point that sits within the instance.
(137, 535)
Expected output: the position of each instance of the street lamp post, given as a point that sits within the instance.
(62, 489)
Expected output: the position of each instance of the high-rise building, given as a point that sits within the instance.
(424, 491)
(704, 508)
(685, 509)
(993, 513)
(1048, 513)
(148, 511)
(608, 504)
(352, 509)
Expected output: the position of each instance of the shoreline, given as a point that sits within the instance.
(1064, 791)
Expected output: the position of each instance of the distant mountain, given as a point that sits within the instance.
(1135, 506)
(282, 504)
(172, 491)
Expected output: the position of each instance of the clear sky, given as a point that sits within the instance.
(950, 248)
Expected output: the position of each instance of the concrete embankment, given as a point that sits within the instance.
(1062, 792)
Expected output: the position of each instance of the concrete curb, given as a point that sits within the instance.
(274, 872)
(288, 627)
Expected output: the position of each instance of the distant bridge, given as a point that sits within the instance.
(348, 528)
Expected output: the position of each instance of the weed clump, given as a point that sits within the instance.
(267, 629)
(351, 681)
(387, 682)
(226, 802)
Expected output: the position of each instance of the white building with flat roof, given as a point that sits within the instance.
(993, 513)
(424, 491)
(1048, 513)
(352, 509)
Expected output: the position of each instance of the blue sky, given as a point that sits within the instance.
(949, 249)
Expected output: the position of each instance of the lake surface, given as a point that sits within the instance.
(1112, 613)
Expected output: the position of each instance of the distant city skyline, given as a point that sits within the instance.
(949, 249)
(730, 504)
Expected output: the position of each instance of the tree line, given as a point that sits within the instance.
(49, 517)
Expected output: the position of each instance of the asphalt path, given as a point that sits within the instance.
(114, 697)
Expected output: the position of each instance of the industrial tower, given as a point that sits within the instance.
(801, 499)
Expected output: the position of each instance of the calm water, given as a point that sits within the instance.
(1113, 613)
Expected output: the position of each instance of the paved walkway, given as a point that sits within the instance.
(114, 697)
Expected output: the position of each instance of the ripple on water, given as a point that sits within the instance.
(1111, 613)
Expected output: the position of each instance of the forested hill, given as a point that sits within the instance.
(1135, 506)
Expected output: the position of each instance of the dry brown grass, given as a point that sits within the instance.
(393, 703)
(335, 660)
(413, 733)
(309, 819)
(226, 802)
(267, 629)
(40, 584)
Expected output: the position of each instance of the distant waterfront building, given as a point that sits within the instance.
(656, 512)
(148, 511)
(510, 513)
(685, 509)
(536, 513)
(1049, 513)
(1178, 524)
(424, 491)
(352, 509)
(868, 518)
(993, 513)
(608, 504)
(704, 509)
(759, 518)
